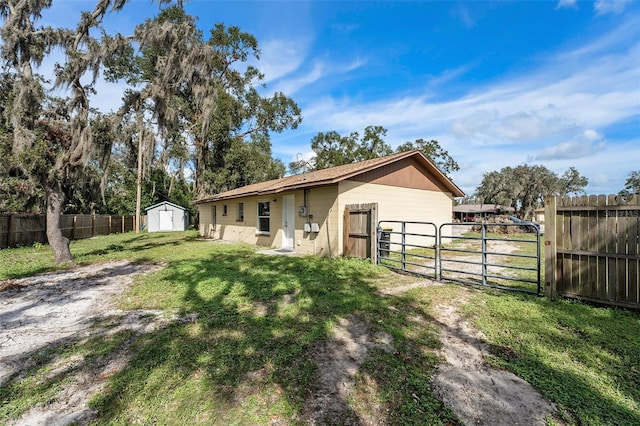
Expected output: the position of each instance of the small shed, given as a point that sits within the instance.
(166, 216)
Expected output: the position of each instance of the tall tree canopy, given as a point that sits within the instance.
(632, 184)
(191, 101)
(331, 149)
(525, 187)
(52, 138)
(201, 91)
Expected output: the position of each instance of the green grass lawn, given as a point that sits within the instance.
(246, 355)
(584, 358)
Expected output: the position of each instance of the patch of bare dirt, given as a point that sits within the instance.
(477, 393)
(338, 361)
(49, 309)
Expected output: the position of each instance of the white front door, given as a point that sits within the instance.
(166, 220)
(288, 221)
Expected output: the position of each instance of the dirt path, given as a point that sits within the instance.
(50, 309)
(338, 361)
(477, 393)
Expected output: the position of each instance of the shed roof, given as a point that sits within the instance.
(332, 175)
(163, 203)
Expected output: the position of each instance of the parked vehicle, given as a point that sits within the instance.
(525, 224)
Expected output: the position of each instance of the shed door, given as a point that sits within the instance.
(166, 220)
(359, 231)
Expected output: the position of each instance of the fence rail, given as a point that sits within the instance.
(471, 257)
(492, 261)
(18, 230)
(593, 249)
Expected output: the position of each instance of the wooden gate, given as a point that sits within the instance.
(360, 230)
(593, 249)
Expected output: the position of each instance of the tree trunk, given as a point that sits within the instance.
(202, 152)
(139, 175)
(59, 244)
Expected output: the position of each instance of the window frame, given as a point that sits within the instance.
(260, 231)
(224, 210)
(240, 212)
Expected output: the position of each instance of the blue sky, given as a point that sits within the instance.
(496, 83)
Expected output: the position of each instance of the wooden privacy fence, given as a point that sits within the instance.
(593, 249)
(18, 230)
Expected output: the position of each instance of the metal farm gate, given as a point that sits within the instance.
(484, 254)
(408, 246)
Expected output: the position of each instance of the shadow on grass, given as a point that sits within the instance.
(241, 350)
(134, 243)
(248, 358)
(27, 261)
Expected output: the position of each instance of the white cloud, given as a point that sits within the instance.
(448, 75)
(320, 70)
(568, 4)
(280, 58)
(603, 7)
(464, 14)
(556, 100)
(292, 85)
(496, 128)
(570, 150)
(592, 135)
(353, 65)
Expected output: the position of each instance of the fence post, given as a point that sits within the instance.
(11, 235)
(484, 253)
(93, 225)
(73, 227)
(550, 252)
(404, 257)
(122, 224)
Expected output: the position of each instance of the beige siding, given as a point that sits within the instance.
(326, 206)
(400, 204)
(229, 228)
(321, 205)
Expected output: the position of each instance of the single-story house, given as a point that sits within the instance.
(166, 216)
(305, 213)
(471, 212)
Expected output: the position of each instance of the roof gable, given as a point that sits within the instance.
(404, 173)
(163, 203)
(336, 174)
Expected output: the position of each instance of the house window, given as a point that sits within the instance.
(224, 210)
(240, 215)
(263, 217)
